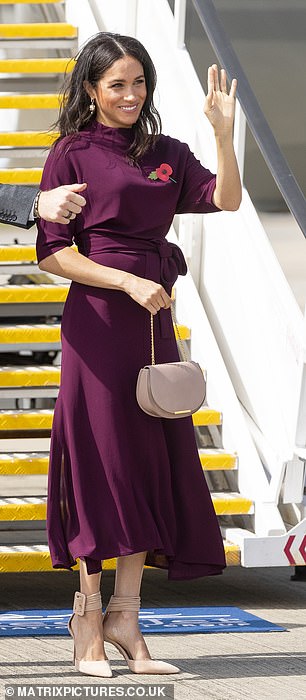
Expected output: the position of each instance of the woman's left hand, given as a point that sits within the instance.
(219, 106)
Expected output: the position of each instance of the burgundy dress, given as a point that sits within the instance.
(121, 481)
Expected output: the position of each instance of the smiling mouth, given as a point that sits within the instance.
(129, 109)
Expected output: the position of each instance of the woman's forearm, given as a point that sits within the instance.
(76, 267)
(228, 192)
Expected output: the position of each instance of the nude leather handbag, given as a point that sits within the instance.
(170, 389)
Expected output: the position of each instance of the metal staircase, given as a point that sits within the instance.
(30, 309)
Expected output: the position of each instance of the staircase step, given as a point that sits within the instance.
(15, 253)
(42, 419)
(229, 503)
(11, 421)
(31, 293)
(27, 139)
(49, 334)
(24, 463)
(30, 2)
(33, 101)
(29, 376)
(232, 553)
(27, 508)
(37, 65)
(21, 558)
(20, 176)
(207, 416)
(29, 336)
(20, 252)
(34, 507)
(215, 459)
(38, 30)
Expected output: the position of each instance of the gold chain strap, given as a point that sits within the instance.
(178, 335)
(152, 342)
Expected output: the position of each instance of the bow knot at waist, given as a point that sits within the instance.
(172, 261)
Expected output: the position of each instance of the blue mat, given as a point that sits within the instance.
(30, 623)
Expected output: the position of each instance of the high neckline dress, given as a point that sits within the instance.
(121, 481)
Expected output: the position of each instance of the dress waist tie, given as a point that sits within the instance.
(172, 261)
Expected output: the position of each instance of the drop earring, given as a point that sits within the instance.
(92, 106)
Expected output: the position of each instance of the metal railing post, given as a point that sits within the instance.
(239, 137)
(130, 19)
(180, 21)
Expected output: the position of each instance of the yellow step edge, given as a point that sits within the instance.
(26, 420)
(17, 253)
(20, 253)
(29, 376)
(232, 553)
(23, 464)
(20, 176)
(232, 504)
(30, 2)
(36, 101)
(37, 65)
(27, 139)
(32, 465)
(183, 331)
(207, 416)
(20, 559)
(13, 509)
(23, 509)
(42, 420)
(15, 464)
(38, 30)
(41, 333)
(30, 334)
(215, 460)
(28, 293)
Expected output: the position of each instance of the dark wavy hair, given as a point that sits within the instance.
(96, 57)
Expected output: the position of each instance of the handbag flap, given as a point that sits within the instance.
(177, 386)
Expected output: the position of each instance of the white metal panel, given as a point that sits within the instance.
(287, 550)
(294, 481)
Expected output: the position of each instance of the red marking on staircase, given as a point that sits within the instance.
(288, 547)
(302, 548)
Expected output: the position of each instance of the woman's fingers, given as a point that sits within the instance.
(152, 309)
(149, 294)
(213, 81)
(233, 87)
(223, 80)
(216, 77)
(167, 301)
(210, 80)
(155, 307)
(161, 303)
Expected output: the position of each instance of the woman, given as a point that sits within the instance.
(121, 483)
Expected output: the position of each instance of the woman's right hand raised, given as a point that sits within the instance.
(147, 293)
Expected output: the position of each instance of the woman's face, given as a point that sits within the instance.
(120, 93)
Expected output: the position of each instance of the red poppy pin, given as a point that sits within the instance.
(162, 173)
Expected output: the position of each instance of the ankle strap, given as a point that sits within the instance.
(83, 602)
(117, 602)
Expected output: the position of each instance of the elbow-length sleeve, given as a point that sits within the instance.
(197, 188)
(51, 237)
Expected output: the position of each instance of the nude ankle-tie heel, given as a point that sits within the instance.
(132, 603)
(81, 604)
